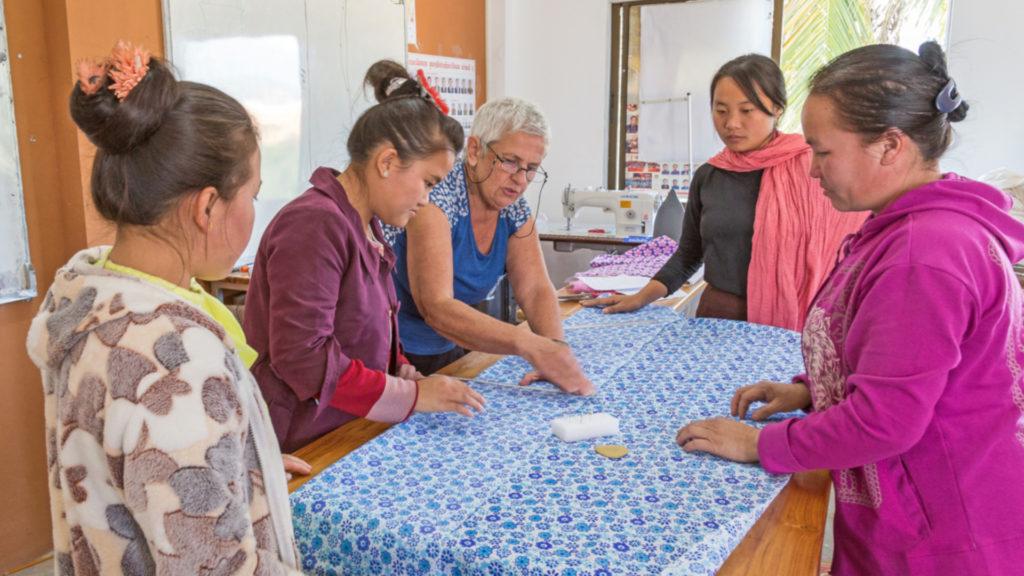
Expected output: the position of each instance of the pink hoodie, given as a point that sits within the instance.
(913, 349)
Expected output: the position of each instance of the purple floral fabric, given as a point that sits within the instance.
(644, 260)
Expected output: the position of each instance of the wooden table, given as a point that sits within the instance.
(569, 240)
(786, 540)
(231, 285)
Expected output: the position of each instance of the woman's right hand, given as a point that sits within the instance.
(778, 397)
(620, 303)
(440, 393)
(617, 303)
(554, 362)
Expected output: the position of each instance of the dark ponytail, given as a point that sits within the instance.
(404, 117)
(879, 87)
(165, 140)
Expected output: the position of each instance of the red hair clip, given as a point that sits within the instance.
(431, 92)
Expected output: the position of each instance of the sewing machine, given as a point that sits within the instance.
(634, 209)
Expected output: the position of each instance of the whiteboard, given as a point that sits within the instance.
(17, 279)
(297, 66)
(683, 45)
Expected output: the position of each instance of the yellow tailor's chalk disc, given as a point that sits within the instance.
(612, 451)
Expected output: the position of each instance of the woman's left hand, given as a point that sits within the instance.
(293, 464)
(723, 437)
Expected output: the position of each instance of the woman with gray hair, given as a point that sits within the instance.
(476, 228)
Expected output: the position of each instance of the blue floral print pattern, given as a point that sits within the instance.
(498, 494)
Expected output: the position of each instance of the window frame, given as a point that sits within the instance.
(621, 38)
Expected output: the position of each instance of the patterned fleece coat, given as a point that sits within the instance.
(161, 456)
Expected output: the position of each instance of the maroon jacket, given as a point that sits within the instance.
(321, 314)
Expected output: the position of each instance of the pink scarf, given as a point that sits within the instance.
(797, 232)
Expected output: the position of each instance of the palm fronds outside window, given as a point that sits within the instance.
(816, 31)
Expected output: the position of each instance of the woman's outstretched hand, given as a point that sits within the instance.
(440, 393)
(723, 437)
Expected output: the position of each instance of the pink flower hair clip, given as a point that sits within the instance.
(91, 75)
(128, 66)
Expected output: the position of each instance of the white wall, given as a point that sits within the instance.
(556, 54)
(985, 49)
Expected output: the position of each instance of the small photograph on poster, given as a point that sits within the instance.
(632, 124)
(639, 181)
(635, 166)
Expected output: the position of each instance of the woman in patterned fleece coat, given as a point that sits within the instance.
(161, 455)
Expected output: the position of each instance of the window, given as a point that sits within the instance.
(802, 35)
(815, 32)
(664, 54)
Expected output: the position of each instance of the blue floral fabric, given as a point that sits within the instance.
(498, 494)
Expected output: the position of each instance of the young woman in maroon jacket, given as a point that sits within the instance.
(321, 304)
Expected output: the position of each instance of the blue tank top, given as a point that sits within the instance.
(474, 274)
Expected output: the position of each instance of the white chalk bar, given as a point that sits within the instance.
(584, 426)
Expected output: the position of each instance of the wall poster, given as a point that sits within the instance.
(455, 81)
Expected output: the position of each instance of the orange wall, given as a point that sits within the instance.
(455, 28)
(45, 38)
(94, 27)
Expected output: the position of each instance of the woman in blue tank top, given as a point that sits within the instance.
(477, 227)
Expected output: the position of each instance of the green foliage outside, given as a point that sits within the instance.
(816, 31)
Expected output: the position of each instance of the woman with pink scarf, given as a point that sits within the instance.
(762, 227)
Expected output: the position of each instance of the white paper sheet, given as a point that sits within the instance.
(615, 283)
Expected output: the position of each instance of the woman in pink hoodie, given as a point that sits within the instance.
(914, 345)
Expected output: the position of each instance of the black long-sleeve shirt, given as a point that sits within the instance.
(717, 230)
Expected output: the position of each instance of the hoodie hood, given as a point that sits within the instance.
(980, 202)
(133, 364)
(86, 298)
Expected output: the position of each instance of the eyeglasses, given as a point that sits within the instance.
(511, 167)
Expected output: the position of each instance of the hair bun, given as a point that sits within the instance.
(382, 73)
(934, 58)
(959, 114)
(119, 127)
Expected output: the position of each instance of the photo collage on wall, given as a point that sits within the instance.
(645, 175)
(455, 81)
